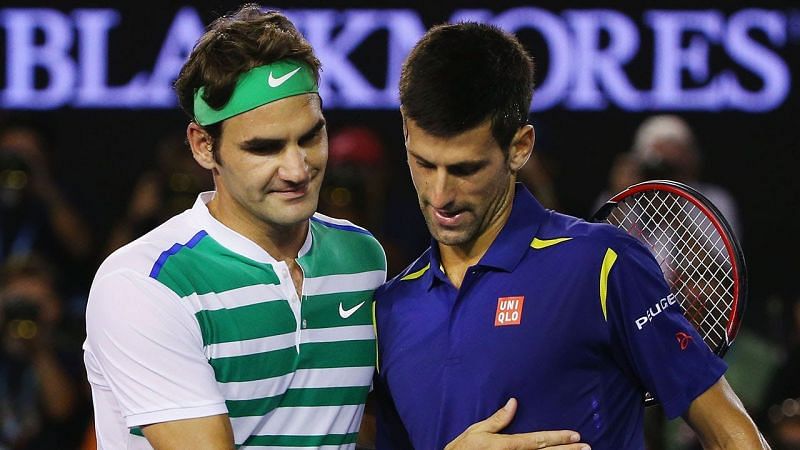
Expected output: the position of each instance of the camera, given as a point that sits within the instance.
(659, 169)
(15, 177)
(20, 318)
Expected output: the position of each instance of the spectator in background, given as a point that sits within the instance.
(537, 176)
(664, 147)
(355, 186)
(783, 399)
(35, 215)
(168, 189)
(43, 403)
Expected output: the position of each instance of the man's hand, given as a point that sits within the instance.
(485, 435)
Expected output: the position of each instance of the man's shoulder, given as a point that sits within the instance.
(408, 279)
(343, 234)
(580, 233)
(321, 221)
(141, 254)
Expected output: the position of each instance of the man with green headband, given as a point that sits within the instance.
(247, 320)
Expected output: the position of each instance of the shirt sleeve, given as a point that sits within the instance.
(648, 328)
(149, 351)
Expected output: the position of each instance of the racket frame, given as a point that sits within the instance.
(722, 226)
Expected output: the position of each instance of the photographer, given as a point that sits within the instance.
(665, 148)
(42, 402)
(167, 189)
(35, 215)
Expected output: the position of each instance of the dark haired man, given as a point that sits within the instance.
(245, 321)
(515, 301)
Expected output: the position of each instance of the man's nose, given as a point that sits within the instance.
(441, 189)
(294, 166)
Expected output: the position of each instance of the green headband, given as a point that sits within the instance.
(256, 87)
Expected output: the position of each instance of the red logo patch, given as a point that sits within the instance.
(683, 339)
(509, 311)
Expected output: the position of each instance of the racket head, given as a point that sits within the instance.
(701, 258)
(639, 211)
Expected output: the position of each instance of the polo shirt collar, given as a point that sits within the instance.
(514, 240)
(230, 239)
(510, 245)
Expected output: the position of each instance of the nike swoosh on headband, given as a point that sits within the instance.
(275, 82)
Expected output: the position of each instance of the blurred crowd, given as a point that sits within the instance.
(48, 255)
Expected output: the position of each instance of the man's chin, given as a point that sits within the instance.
(449, 237)
(290, 215)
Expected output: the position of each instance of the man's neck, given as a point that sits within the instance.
(456, 259)
(281, 242)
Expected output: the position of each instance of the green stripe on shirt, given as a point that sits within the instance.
(329, 396)
(246, 322)
(301, 441)
(353, 253)
(209, 267)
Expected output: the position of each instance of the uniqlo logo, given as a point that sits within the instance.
(509, 311)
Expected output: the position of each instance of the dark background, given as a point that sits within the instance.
(99, 153)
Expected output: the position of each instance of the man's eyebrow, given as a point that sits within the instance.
(477, 164)
(257, 143)
(416, 156)
(314, 130)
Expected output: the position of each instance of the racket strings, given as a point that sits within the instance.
(691, 254)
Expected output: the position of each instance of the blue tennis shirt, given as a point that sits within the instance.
(572, 318)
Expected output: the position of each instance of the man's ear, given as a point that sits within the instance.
(405, 126)
(521, 147)
(201, 144)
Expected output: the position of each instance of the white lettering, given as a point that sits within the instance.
(504, 317)
(184, 31)
(765, 64)
(671, 58)
(559, 50)
(93, 89)
(661, 305)
(508, 305)
(587, 52)
(25, 56)
(596, 66)
(343, 85)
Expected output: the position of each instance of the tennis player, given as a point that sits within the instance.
(572, 320)
(247, 320)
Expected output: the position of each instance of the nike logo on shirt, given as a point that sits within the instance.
(275, 82)
(345, 313)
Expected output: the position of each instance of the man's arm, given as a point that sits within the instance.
(721, 421)
(485, 435)
(202, 433)
(149, 350)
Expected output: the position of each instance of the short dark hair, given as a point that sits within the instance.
(232, 45)
(459, 75)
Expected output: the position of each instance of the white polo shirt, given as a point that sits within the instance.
(194, 319)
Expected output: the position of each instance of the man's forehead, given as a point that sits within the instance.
(476, 144)
(279, 119)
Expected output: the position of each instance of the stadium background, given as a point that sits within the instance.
(100, 151)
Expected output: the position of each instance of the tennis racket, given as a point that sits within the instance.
(693, 243)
